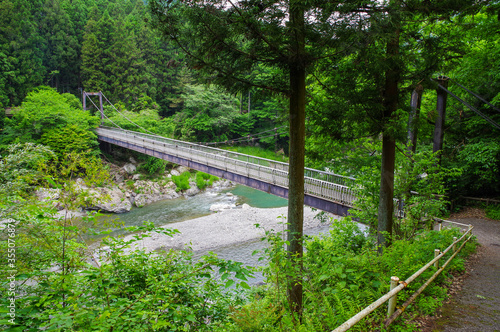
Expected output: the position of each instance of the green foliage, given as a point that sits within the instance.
(419, 187)
(133, 289)
(62, 284)
(480, 163)
(210, 114)
(343, 274)
(22, 166)
(70, 139)
(182, 181)
(493, 212)
(146, 118)
(154, 165)
(204, 180)
(49, 118)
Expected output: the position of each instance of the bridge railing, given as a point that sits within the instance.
(317, 183)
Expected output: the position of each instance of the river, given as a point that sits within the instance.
(183, 209)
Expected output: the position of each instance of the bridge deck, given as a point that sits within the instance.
(323, 190)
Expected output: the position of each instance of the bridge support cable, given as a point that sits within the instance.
(104, 115)
(271, 177)
(490, 121)
(208, 143)
(477, 96)
(246, 138)
(126, 116)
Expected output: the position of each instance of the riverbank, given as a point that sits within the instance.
(225, 228)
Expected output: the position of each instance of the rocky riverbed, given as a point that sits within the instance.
(127, 190)
(227, 227)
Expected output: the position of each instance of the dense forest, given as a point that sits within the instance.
(110, 47)
(113, 47)
(341, 76)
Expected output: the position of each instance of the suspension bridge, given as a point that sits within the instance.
(322, 190)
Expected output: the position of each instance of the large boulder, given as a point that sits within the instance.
(194, 190)
(182, 169)
(109, 200)
(46, 194)
(222, 184)
(141, 200)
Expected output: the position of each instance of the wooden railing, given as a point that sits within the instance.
(397, 285)
(329, 186)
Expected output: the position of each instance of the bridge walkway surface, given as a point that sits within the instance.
(475, 307)
(322, 190)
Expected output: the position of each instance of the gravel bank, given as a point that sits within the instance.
(225, 228)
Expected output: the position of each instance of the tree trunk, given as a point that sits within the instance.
(296, 161)
(391, 93)
(441, 115)
(386, 203)
(416, 101)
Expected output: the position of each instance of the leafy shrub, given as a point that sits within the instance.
(493, 212)
(204, 180)
(71, 138)
(342, 273)
(182, 181)
(136, 291)
(154, 165)
(48, 117)
(481, 168)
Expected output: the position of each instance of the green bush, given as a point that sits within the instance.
(343, 273)
(204, 180)
(182, 181)
(56, 120)
(135, 291)
(493, 212)
(154, 165)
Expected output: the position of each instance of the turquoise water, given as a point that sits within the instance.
(180, 209)
(257, 198)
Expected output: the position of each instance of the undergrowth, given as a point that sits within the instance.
(342, 275)
(493, 212)
(204, 180)
(182, 181)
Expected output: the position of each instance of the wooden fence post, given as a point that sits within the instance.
(392, 301)
(436, 253)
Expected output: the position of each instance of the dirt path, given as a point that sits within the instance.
(476, 306)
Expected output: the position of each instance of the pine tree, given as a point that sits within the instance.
(96, 51)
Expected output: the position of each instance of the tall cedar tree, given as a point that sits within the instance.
(393, 22)
(394, 54)
(20, 52)
(227, 40)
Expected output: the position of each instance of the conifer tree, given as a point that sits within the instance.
(227, 40)
(20, 53)
(60, 44)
